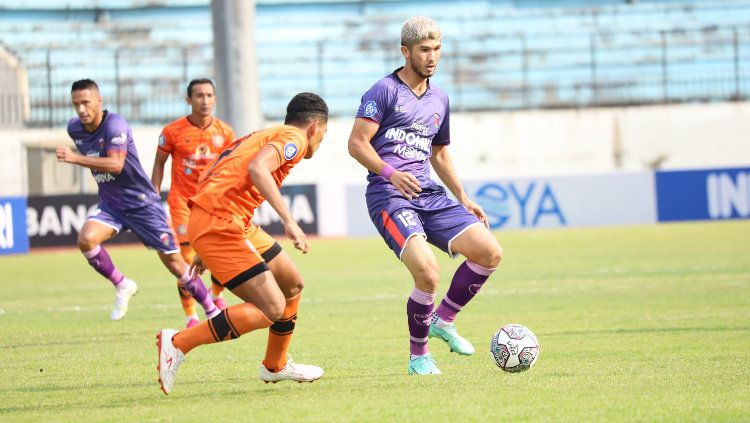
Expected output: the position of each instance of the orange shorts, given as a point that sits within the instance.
(179, 217)
(233, 254)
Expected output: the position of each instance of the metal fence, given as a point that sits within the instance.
(498, 72)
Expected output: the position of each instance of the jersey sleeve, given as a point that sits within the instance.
(117, 136)
(166, 143)
(443, 136)
(375, 103)
(291, 149)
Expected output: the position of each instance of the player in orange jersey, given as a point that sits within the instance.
(192, 141)
(240, 255)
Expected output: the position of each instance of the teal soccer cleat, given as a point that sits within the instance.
(448, 334)
(423, 365)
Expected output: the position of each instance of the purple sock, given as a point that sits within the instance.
(466, 283)
(196, 288)
(102, 263)
(418, 311)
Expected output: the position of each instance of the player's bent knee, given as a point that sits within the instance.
(86, 242)
(495, 257)
(427, 279)
(274, 310)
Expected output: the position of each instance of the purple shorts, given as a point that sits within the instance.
(432, 215)
(148, 223)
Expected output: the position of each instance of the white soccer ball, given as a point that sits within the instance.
(514, 348)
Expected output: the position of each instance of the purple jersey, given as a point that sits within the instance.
(131, 188)
(409, 127)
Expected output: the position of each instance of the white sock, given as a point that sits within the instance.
(440, 322)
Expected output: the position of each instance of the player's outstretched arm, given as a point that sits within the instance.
(361, 149)
(157, 173)
(113, 163)
(443, 164)
(260, 170)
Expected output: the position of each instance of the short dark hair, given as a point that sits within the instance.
(305, 107)
(198, 81)
(84, 84)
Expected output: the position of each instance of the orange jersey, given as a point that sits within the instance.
(191, 148)
(226, 191)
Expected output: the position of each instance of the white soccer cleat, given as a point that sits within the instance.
(122, 298)
(292, 371)
(170, 359)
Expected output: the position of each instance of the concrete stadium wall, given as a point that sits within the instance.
(495, 145)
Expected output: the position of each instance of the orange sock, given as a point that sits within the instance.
(280, 335)
(216, 287)
(231, 323)
(188, 302)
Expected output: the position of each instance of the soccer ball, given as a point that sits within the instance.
(514, 348)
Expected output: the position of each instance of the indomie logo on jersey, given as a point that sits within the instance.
(415, 147)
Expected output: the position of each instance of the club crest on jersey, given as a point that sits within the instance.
(162, 140)
(436, 120)
(290, 150)
(370, 108)
(188, 171)
(182, 229)
(218, 141)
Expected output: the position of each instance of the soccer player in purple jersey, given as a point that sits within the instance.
(127, 199)
(402, 123)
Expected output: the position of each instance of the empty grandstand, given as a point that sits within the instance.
(498, 54)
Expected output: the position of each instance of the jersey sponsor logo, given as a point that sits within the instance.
(218, 141)
(120, 139)
(103, 177)
(419, 127)
(436, 120)
(400, 108)
(78, 142)
(290, 150)
(411, 146)
(162, 140)
(370, 108)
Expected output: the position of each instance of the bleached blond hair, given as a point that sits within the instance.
(418, 28)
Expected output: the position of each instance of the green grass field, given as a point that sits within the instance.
(647, 323)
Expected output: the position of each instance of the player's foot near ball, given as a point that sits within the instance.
(292, 371)
(170, 359)
(423, 365)
(123, 294)
(455, 342)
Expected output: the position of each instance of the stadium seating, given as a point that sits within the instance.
(498, 54)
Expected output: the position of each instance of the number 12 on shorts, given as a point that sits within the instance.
(406, 218)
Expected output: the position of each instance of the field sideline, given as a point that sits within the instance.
(637, 323)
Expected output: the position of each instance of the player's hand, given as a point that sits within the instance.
(65, 154)
(477, 211)
(197, 268)
(299, 239)
(406, 183)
